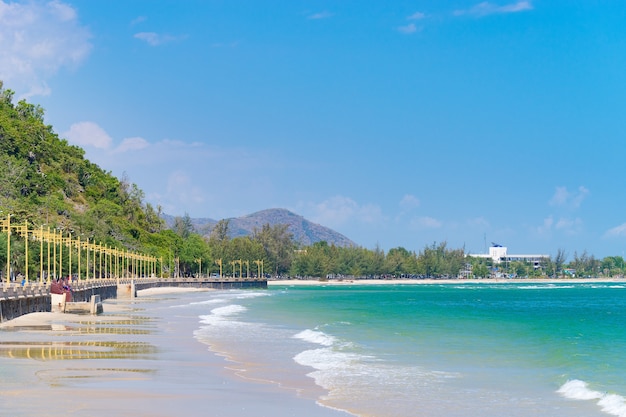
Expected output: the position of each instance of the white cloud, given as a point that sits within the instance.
(569, 226)
(560, 197)
(416, 16)
(138, 20)
(546, 227)
(88, 134)
(181, 188)
(63, 12)
(339, 210)
(485, 8)
(409, 202)
(132, 144)
(320, 15)
(181, 176)
(36, 40)
(408, 29)
(617, 231)
(156, 39)
(478, 222)
(426, 222)
(564, 198)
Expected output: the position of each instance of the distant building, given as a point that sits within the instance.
(498, 254)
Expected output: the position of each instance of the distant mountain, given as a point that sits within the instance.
(304, 231)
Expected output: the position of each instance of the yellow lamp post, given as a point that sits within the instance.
(41, 253)
(48, 247)
(26, 249)
(68, 240)
(61, 254)
(233, 263)
(85, 247)
(259, 266)
(100, 258)
(199, 260)
(78, 248)
(8, 225)
(219, 262)
(240, 272)
(54, 254)
(247, 269)
(106, 257)
(23, 231)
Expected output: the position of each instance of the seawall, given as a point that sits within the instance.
(17, 300)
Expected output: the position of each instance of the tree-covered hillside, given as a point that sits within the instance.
(44, 180)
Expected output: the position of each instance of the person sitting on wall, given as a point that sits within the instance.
(56, 287)
(66, 285)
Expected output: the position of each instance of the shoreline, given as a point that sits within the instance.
(314, 282)
(140, 357)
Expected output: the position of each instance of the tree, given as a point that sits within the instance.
(397, 261)
(278, 245)
(183, 226)
(559, 261)
(194, 252)
(220, 233)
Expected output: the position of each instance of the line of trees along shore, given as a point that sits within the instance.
(47, 183)
(284, 257)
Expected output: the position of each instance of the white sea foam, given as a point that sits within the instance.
(576, 389)
(208, 302)
(325, 359)
(248, 295)
(315, 336)
(350, 378)
(221, 315)
(609, 403)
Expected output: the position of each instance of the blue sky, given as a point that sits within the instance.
(395, 123)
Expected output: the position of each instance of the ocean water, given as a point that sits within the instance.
(429, 350)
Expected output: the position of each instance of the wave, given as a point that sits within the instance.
(609, 403)
(221, 315)
(208, 302)
(325, 359)
(315, 336)
(248, 295)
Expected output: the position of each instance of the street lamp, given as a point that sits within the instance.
(199, 260)
(219, 262)
(259, 266)
(8, 226)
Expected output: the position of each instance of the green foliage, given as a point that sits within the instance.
(44, 180)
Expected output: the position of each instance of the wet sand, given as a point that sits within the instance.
(139, 358)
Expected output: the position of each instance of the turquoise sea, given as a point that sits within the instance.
(429, 350)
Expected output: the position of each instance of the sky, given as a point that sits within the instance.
(399, 123)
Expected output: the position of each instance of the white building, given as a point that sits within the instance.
(498, 254)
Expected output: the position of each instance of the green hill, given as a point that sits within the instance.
(46, 181)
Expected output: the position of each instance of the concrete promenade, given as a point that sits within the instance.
(17, 300)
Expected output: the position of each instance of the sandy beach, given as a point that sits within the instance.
(443, 281)
(138, 358)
